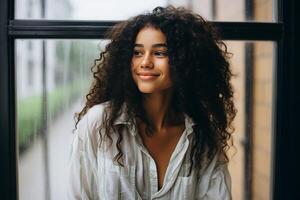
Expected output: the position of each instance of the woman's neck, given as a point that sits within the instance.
(157, 108)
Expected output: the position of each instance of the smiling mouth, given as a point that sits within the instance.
(147, 76)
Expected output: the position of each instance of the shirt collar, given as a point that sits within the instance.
(123, 119)
(189, 123)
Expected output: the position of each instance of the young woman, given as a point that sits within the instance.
(157, 119)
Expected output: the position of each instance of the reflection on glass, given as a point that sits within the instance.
(51, 77)
(46, 104)
(220, 10)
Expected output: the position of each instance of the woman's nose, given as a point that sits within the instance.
(147, 61)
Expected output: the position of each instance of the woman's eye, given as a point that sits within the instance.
(137, 53)
(160, 53)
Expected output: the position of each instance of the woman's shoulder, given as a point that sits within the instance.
(92, 120)
(94, 114)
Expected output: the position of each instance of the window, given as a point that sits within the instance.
(220, 10)
(60, 53)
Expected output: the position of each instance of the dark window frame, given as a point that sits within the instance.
(285, 97)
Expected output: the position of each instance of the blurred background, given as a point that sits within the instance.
(53, 76)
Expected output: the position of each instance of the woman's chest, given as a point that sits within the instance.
(138, 181)
(139, 177)
(161, 146)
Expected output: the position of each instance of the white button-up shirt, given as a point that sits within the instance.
(93, 174)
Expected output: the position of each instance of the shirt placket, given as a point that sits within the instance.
(153, 176)
(152, 173)
(152, 169)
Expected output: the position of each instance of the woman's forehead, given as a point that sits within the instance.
(150, 36)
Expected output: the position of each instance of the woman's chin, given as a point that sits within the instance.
(146, 90)
(152, 90)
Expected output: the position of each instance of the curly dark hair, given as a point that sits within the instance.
(200, 74)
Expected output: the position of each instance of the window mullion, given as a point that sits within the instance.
(97, 29)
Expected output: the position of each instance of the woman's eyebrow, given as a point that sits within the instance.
(154, 45)
(138, 45)
(160, 45)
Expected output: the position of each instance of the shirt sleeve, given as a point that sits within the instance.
(83, 163)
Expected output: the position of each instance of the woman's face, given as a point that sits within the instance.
(150, 61)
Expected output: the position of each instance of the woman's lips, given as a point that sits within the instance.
(147, 75)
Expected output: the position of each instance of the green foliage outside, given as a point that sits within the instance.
(29, 116)
(74, 59)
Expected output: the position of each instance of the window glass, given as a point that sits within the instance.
(47, 98)
(53, 76)
(219, 10)
(251, 157)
